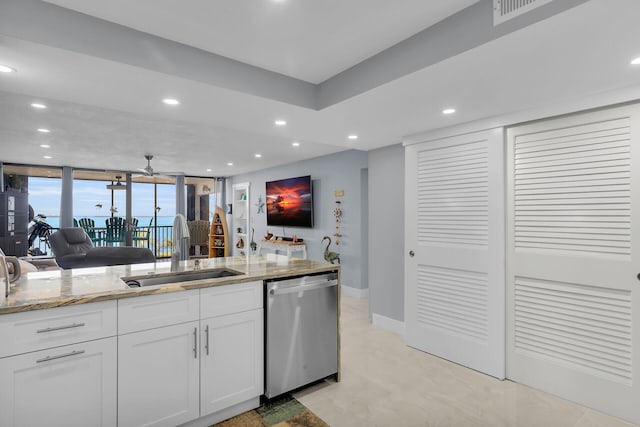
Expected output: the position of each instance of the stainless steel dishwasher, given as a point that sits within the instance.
(301, 331)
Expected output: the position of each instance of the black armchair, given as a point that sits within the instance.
(73, 248)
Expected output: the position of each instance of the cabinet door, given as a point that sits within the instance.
(232, 360)
(158, 376)
(73, 385)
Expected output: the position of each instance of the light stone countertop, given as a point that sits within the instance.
(49, 289)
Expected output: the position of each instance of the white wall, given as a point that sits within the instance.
(340, 171)
(386, 232)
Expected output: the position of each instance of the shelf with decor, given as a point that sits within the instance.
(218, 235)
(240, 217)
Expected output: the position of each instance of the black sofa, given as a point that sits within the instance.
(73, 248)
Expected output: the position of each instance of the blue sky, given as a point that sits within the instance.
(44, 197)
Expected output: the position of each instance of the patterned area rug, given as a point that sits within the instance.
(283, 412)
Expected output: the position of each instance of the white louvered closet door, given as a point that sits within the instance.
(454, 282)
(573, 300)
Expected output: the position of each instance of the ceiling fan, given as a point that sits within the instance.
(149, 171)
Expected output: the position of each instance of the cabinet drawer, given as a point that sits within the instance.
(154, 311)
(227, 299)
(70, 386)
(42, 329)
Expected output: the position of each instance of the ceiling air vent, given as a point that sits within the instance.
(503, 10)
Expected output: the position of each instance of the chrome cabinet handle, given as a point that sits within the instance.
(206, 334)
(195, 343)
(49, 358)
(57, 328)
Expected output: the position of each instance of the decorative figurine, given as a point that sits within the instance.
(330, 256)
(260, 205)
(253, 245)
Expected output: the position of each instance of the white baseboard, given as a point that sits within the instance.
(388, 324)
(354, 292)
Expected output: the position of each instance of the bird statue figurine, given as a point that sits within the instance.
(253, 245)
(330, 256)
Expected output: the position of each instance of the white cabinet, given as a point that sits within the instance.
(71, 386)
(241, 232)
(158, 376)
(59, 367)
(158, 366)
(172, 374)
(232, 360)
(180, 357)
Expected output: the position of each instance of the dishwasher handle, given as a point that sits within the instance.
(274, 290)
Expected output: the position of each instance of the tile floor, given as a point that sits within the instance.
(385, 383)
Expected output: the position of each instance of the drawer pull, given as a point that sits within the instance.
(57, 328)
(195, 343)
(206, 332)
(49, 358)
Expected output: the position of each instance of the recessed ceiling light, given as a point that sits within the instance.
(258, 155)
(230, 164)
(209, 170)
(353, 137)
(7, 69)
(46, 157)
(295, 144)
(448, 111)
(39, 106)
(43, 130)
(636, 61)
(171, 101)
(45, 146)
(280, 123)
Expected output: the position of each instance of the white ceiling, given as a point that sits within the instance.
(310, 40)
(105, 114)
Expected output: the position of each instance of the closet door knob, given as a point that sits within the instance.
(411, 254)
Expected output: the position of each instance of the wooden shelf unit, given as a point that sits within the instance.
(219, 235)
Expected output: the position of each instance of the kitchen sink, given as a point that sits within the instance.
(165, 279)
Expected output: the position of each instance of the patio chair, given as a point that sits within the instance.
(89, 226)
(199, 233)
(141, 234)
(116, 231)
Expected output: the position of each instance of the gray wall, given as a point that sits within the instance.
(386, 232)
(341, 171)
